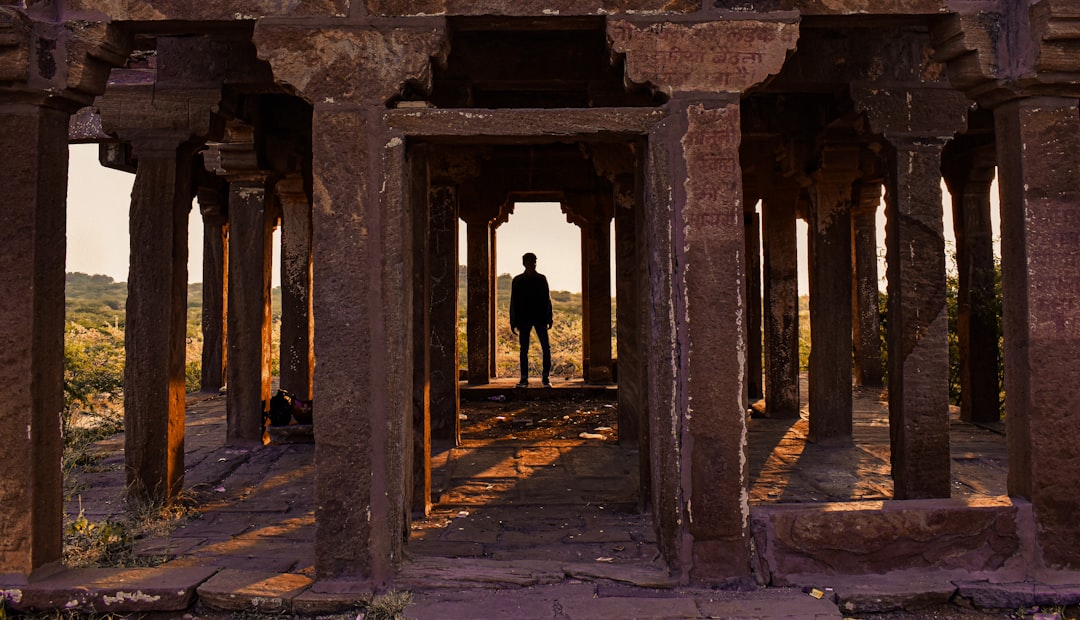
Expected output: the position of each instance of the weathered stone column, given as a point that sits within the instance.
(156, 325)
(47, 71)
(695, 210)
(297, 344)
(969, 171)
(419, 488)
(781, 283)
(753, 302)
(630, 336)
(829, 246)
(480, 266)
(250, 235)
(1038, 146)
(596, 291)
(442, 270)
(215, 271)
(866, 326)
(32, 336)
(362, 259)
(915, 248)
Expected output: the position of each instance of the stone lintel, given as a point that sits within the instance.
(702, 57)
(367, 61)
(179, 10)
(871, 7)
(546, 8)
(496, 124)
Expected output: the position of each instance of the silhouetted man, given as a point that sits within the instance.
(530, 307)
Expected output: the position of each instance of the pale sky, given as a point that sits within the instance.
(99, 198)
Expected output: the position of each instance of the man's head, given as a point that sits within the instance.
(529, 259)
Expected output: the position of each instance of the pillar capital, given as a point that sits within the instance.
(234, 157)
(702, 57)
(911, 114)
(1037, 57)
(326, 65)
(49, 62)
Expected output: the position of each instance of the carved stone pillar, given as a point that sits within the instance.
(781, 282)
(362, 260)
(156, 325)
(1038, 146)
(32, 335)
(866, 325)
(753, 302)
(830, 293)
(915, 248)
(251, 227)
(696, 367)
(297, 342)
(969, 171)
(215, 269)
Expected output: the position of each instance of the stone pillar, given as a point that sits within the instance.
(829, 246)
(969, 172)
(1038, 146)
(156, 325)
(297, 343)
(630, 337)
(781, 284)
(419, 489)
(493, 283)
(596, 289)
(866, 334)
(32, 336)
(918, 350)
(479, 312)
(250, 234)
(442, 270)
(712, 244)
(362, 259)
(696, 273)
(592, 214)
(215, 271)
(753, 302)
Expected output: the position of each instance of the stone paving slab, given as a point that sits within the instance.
(1014, 595)
(258, 591)
(112, 590)
(767, 604)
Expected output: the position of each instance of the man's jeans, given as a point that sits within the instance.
(545, 347)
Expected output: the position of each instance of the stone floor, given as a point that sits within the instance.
(551, 516)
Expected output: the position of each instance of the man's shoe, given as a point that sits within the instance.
(547, 383)
(523, 384)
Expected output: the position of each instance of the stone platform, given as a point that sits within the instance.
(522, 529)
